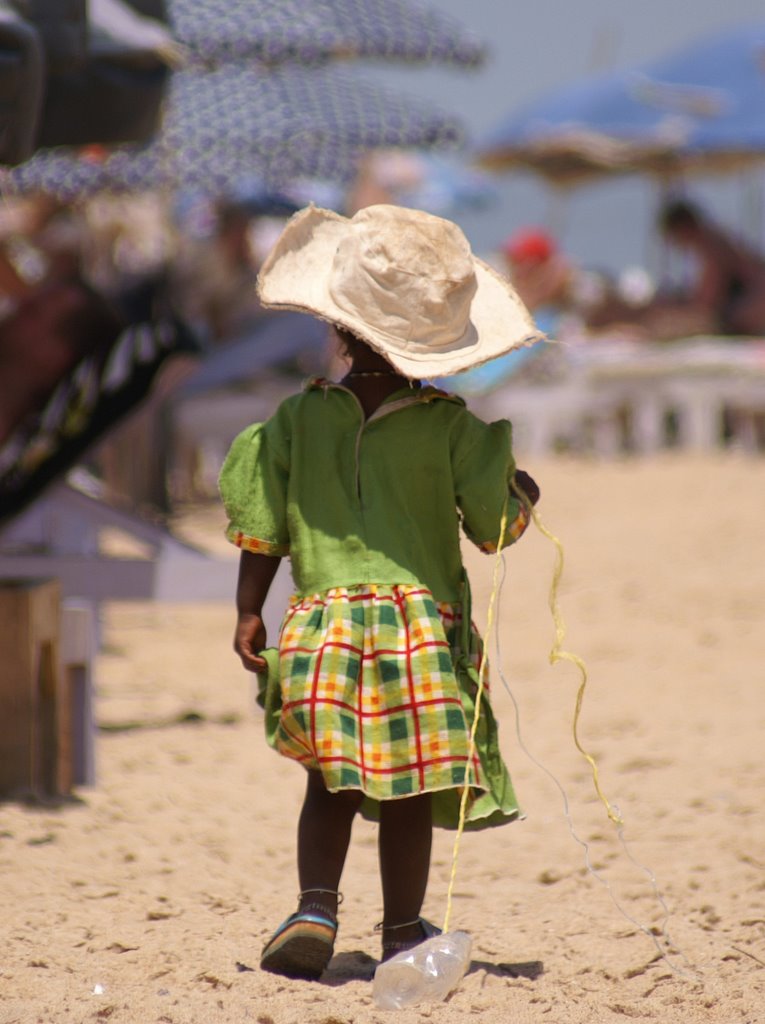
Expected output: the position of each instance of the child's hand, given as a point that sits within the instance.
(528, 485)
(249, 640)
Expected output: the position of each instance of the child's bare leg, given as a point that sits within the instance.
(324, 833)
(406, 831)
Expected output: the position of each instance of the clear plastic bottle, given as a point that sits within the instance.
(425, 974)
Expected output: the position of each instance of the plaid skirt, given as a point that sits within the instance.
(378, 693)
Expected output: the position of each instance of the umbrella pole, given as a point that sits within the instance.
(753, 211)
(669, 186)
(558, 211)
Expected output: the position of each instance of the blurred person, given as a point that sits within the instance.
(49, 240)
(129, 240)
(729, 290)
(561, 294)
(12, 285)
(726, 295)
(51, 329)
(213, 283)
(77, 381)
(25, 256)
(368, 188)
(540, 273)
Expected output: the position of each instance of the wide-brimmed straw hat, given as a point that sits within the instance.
(401, 280)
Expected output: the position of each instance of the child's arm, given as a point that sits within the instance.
(485, 481)
(256, 573)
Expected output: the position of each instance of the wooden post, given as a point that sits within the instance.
(78, 648)
(35, 723)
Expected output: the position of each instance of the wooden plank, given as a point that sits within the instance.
(35, 731)
(17, 710)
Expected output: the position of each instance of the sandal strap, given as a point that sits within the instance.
(303, 917)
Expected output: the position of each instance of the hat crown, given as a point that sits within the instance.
(403, 281)
(407, 274)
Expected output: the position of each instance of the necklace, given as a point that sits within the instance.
(374, 373)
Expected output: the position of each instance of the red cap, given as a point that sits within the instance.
(529, 245)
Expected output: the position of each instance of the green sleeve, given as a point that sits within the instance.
(483, 468)
(253, 485)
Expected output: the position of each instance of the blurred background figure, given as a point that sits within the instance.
(213, 278)
(540, 272)
(51, 329)
(728, 291)
(130, 242)
(41, 239)
(89, 346)
(721, 289)
(562, 295)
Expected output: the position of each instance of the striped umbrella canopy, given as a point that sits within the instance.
(238, 123)
(217, 31)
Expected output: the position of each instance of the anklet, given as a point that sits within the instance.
(332, 892)
(382, 926)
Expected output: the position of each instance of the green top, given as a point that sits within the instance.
(379, 500)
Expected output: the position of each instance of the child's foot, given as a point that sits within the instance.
(302, 946)
(398, 938)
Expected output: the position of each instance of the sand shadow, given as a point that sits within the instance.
(189, 717)
(359, 966)
(530, 969)
(346, 967)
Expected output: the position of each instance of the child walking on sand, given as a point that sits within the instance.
(364, 485)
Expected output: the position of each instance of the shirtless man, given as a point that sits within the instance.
(730, 288)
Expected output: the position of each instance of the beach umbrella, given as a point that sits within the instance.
(699, 109)
(236, 123)
(273, 31)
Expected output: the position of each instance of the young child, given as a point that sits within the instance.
(364, 485)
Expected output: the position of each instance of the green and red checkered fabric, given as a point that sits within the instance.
(369, 691)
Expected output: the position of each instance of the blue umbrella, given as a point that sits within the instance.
(234, 123)
(273, 31)
(702, 108)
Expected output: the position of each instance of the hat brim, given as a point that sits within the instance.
(296, 276)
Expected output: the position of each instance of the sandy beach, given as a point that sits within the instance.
(149, 897)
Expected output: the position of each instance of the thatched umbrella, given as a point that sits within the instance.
(700, 109)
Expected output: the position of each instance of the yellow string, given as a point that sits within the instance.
(557, 653)
(477, 712)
